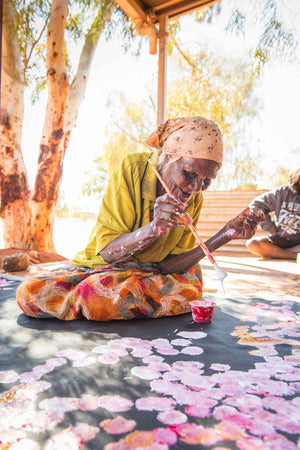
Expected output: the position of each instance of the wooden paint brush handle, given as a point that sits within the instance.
(160, 178)
(201, 244)
(191, 227)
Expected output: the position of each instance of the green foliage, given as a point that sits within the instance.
(97, 182)
(210, 85)
(281, 176)
(275, 40)
(32, 19)
(214, 87)
(62, 209)
(173, 30)
(206, 85)
(208, 14)
(222, 90)
(124, 28)
(241, 171)
(236, 22)
(130, 123)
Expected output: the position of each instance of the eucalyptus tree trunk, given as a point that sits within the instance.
(28, 216)
(14, 187)
(49, 171)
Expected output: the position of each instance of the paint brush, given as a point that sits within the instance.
(220, 273)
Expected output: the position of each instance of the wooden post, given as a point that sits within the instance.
(162, 68)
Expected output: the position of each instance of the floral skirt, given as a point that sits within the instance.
(123, 291)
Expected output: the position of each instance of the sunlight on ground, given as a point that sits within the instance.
(70, 235)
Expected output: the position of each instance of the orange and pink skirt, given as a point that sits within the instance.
(109, 293)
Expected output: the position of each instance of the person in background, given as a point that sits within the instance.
(284, 239)
(141, 260)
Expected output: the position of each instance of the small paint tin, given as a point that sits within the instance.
(202, 311)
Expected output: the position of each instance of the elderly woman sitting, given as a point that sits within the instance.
(140, 260)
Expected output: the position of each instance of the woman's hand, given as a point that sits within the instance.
(169, 212)
(244, 225)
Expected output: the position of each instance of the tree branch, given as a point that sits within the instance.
(78, 86)
(26, 61)
(56, 41)
(184, 56)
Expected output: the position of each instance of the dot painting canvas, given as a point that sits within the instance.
(155, 384)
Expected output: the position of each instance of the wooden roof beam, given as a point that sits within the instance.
(181, 8)
(133, 9)
(148, 28)
(144, 23)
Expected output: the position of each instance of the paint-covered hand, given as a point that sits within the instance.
(169, 212)
(244, 225)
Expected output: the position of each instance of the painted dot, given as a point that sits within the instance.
(192, 350)
(108, 359)
(89, 402)
(84, 362)
(220, 367)
(117, 425)
(8, 376)
(154, 404)
(172, 417)
(165, 436)
(63, 404)
(141, 352)
(180, 342)
(85, 431)
(167, 351)
(145, 373)
(115, 403)
(160, 367)
(152, 359)
(192, 334)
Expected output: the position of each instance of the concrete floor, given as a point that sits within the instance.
(246, 275)
(250, 274)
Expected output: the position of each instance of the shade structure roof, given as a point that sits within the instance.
(140, 9)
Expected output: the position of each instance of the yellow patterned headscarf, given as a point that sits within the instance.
(190, 137)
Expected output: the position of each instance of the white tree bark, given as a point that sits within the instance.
(62, 111)
(28, 217)
(14, 186)
(49, 171)
(78, 86)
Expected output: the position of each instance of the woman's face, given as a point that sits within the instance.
(189, 176)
